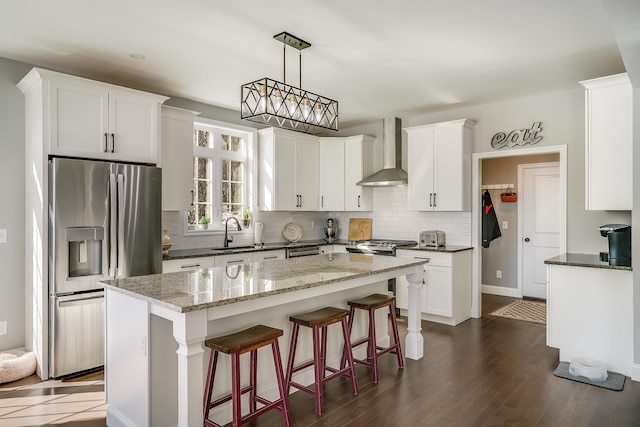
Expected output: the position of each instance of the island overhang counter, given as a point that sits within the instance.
(156, 325)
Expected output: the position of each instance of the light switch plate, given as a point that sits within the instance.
(3, 327)
(505, 224)
(3, 235)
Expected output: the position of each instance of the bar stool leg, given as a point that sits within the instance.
(253, 369)
(213, 363)
(292, 355)
(318, 365)
(235, 390)
(396, 336)
(372, 347)
(347, 353)
(286, 411)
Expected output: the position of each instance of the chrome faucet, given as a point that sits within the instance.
(228, 238)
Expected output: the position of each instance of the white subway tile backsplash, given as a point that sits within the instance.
(391, 220)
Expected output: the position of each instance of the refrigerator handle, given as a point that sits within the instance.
(120, 247)
(113, 224)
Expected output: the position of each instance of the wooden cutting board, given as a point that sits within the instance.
(360, 228)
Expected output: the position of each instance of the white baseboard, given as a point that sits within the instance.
(502, 291)
(635, 372)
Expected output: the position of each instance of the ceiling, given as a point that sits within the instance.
(377, 58)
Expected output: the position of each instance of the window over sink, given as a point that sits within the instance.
(222, 175)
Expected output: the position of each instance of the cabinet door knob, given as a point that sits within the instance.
(526, 239)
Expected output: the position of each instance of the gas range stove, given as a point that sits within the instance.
(379, 246)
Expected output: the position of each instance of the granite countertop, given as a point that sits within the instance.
(584, 260)
(193, 290)
(202, 252)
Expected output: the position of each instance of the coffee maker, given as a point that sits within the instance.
(619, 236)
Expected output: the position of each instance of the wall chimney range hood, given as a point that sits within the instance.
(392, 173)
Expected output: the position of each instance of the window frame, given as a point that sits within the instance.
(247, 155)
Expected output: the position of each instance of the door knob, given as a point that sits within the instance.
(526, 239)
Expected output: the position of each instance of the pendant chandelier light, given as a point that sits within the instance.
(275, 103)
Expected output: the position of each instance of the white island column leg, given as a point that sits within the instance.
(414, 343)
(190, 332)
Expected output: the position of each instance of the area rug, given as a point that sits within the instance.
(529, 311)
(614, 381)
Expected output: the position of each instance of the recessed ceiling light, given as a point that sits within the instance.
(136, 55)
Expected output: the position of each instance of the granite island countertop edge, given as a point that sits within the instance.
(155, 280)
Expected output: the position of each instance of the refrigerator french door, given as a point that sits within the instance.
(104, 222)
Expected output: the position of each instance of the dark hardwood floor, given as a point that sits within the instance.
(484, 372)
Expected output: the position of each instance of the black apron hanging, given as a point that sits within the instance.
(490, 228)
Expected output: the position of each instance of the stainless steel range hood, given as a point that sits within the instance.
(392, 173)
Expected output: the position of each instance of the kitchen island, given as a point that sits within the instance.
(157, 324)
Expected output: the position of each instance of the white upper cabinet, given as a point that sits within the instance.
(358, 152)
(96, 120)
(288, 171)
(176, 158)
(439, 163)
(609, 143)
(332, 174)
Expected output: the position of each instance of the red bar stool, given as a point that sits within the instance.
(371, 303)
(248, 340)
(319, 320)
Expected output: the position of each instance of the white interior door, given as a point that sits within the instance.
(540, 219)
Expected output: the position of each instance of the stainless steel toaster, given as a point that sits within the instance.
(432, 238)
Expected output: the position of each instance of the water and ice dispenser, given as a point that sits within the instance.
(85, 251)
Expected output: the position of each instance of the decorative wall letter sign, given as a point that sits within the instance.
(517, 137)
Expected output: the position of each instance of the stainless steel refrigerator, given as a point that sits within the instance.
(104, 222)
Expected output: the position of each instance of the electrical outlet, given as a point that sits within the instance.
(3, 327)
(3, 235)
(505, 225)
(499, 274)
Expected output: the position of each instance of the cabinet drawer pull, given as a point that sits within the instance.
(235, 261)
(106, 142)
(431, 199)
(190, 265)
(359, 201)
(322, 201)
(434, 200)
(422, 257)
(271, 257)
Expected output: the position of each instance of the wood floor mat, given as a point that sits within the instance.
(529, 311)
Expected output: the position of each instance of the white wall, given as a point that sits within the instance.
(12, 206)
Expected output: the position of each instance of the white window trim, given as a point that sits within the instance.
(251, 173)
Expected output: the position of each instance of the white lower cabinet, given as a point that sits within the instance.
(269, 255)
(333, 249)
(171, 266)
(446, 293)
(231, 259)
(326, 249)
(174, 265)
